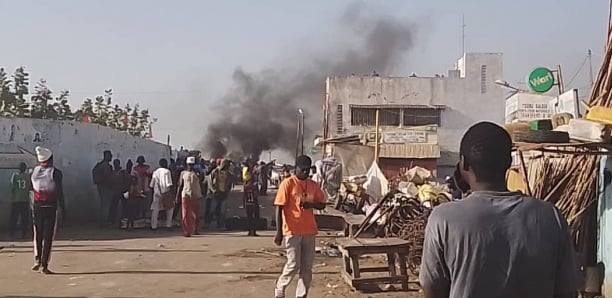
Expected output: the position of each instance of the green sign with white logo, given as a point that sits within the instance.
(541, 80)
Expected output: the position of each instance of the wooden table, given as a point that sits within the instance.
(396, 251)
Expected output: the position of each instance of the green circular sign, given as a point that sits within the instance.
(541, 80)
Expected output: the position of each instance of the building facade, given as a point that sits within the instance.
(451, 103)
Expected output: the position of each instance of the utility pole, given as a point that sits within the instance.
(560, 84)
(302, 134)
(297, 141)
(377, 137)
(590, 54)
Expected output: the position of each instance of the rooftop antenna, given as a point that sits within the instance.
(462, 34)
(590, 54)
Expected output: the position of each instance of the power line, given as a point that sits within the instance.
(578, 70)
(138, 92)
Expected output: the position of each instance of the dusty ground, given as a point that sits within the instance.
(91, 262)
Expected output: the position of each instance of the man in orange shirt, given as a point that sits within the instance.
(296, 198)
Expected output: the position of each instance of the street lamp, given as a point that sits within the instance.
(514, 91)
(507, 85)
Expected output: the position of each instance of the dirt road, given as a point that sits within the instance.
(91, 262)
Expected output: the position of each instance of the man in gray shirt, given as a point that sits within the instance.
(496, 243)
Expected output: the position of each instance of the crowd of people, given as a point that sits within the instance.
(171, 192)
(490, 242)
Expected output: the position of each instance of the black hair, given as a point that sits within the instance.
(487, 150)
(129, 165)
(303, 162)
(163, 163)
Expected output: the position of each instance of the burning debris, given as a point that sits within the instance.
(259, 111)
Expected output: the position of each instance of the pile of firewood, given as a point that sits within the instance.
(401, 216)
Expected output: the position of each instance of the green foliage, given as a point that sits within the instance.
(41, 103)
(21, 83)
(16, 102)
(7, 98)
(61, 106)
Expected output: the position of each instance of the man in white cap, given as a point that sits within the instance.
(48, 194)
(190, 191)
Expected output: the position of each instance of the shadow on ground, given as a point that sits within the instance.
(181, 272)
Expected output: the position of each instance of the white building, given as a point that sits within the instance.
(453, 102)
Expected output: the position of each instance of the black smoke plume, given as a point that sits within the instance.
(260, 110)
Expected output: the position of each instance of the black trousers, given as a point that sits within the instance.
(44, 219)
(252, 212)
(130, 210)
(114, 207)
(20, 211)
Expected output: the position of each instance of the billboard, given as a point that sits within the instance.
(528, 106)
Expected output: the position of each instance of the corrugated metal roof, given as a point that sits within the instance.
(410, 150)
(398, 106)
(344, 139)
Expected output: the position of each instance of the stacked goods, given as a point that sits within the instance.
(570, 181)
(351, 197)
(420, 183)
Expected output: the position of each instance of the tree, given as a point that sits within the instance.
(134, 127)
(42, 102)
(64, 112)
(21, 83)
(14, 102)
(102, 105)
(8, 107)
(85, 111)
(125, 118)
(143, 123)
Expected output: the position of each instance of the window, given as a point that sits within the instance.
(421, 116)
(483, 79)
(367, 117)
(339, 124)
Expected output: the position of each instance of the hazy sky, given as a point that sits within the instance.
(177, 57)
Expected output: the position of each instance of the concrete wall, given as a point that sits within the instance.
(461, 95)
(77, 148)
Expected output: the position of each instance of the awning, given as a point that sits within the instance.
(398, 106)
(409, 150)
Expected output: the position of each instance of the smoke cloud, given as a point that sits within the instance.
(259, 111)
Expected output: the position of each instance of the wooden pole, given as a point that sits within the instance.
(525, 174)
(560, 84)
(377, 136)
